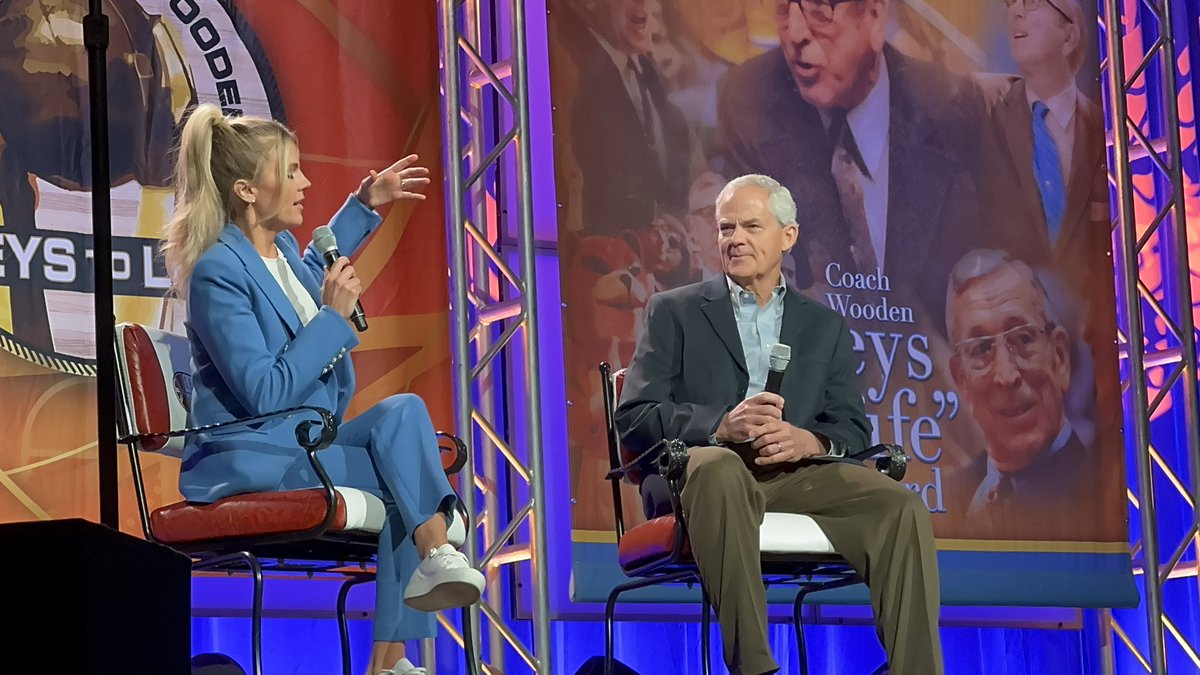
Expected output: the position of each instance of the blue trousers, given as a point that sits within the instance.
(390, 451)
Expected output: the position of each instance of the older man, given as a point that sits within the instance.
(632, 143)
(1051, 137)
(1049, 189)
(879, 148)
(699, 374)
(1012, 364)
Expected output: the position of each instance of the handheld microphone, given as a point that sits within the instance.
(781, 355)
(326, 244)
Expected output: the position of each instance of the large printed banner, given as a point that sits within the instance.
(948, 161)
(356, 80)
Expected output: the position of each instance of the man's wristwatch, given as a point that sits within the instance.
(712, 440)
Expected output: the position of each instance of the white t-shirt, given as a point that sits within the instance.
(301, 301)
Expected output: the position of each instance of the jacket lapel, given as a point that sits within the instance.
(917, 170)
(793, 319)
(1016, 125)
(718, 309)
(794, 324)
(798, 153)
(800, 327)
(1085, 161)
(232, 237)
(1018, 130)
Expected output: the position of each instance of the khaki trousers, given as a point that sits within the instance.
(878, 525)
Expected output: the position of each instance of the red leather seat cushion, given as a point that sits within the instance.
(249, 515)
(651, 541)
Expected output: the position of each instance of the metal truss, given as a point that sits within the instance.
(1158, 345)
(494, 320)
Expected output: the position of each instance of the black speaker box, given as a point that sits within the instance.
(595, 666)
(82, 598)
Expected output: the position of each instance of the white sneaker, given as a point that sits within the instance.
(443, 580)
(404, 667)
(456, 533)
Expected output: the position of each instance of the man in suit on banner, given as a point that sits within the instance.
(1050, 190)
(1051, 137)
(630, 140)
(878, 147)
(1012, 363)
(698, 375)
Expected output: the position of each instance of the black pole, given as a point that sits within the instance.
(95, 37)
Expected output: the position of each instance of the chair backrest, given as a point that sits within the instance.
(154, 376)
(609, 391)
(654, 491)
(611, 384)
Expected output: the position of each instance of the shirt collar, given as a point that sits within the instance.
(869, 120)
(619, 58)
(989, 487)
(737, 292)
(1061, 105)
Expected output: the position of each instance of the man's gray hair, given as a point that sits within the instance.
(779, 198)
(982, 262)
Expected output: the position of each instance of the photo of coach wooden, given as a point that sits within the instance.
(878, 147)
(1012, 365)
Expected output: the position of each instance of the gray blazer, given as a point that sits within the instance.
(689, 370)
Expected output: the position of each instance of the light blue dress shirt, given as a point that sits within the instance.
(759, 329)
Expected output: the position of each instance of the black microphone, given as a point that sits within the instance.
(326, 244)
(781, 355)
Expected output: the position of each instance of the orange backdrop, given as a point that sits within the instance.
(358, 82)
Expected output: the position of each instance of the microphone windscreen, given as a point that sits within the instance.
(324, 240)
(781, 355)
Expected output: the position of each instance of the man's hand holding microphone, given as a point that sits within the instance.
(758, 422)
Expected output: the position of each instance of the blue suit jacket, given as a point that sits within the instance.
(252, 356)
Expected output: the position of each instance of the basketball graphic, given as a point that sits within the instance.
(164, 57)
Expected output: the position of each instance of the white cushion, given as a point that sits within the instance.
(792, 533)
(364, 511)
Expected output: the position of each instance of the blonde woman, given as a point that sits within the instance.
(269, 330)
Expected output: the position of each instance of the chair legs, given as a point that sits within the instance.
(257, 608)
(798, 622)
(705, 631)
(798, 605)
(343, 623)
(610, 607)
(469, 643)
(256, 612)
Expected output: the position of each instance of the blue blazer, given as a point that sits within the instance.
(251, 356)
